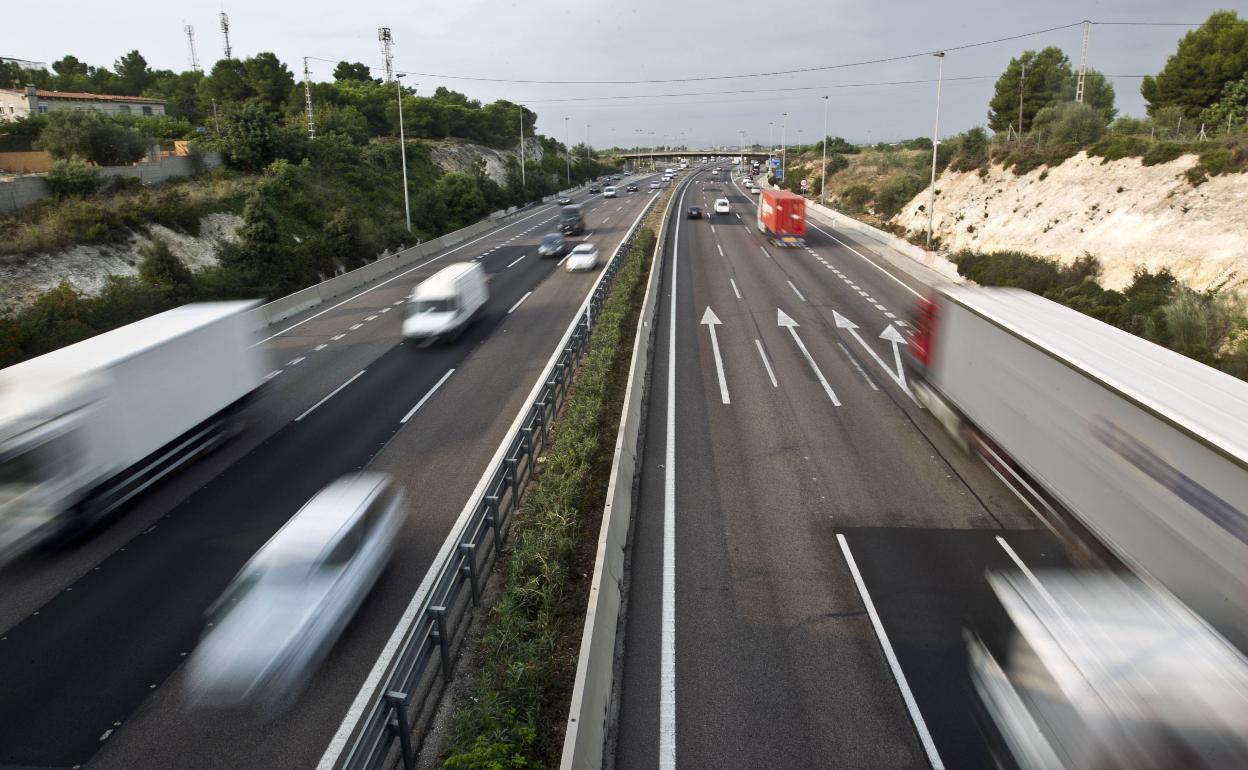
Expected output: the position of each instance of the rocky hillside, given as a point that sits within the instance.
(451, 155)
(1124, 213)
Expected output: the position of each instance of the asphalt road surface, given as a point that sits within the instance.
(92, 639)
(821, 541)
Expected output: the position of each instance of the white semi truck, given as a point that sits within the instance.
(85, 428)
(1121, 443)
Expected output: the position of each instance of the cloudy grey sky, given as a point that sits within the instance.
(648, 40)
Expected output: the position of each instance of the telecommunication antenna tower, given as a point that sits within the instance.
(190, 42)
(387, 50)
(1083, 63)
(307, 98)
(225, 35)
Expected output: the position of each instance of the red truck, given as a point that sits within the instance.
(782, 217)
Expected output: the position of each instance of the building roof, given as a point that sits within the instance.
(85, 97)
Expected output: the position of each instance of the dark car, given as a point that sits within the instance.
(593, 189)
(631, 188)
(552, 245)
(695, 212)
(564, 199)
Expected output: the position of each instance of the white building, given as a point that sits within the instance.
(19, 102)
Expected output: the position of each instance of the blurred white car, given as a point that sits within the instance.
(655, 185)
(755, 189)
(721, 206)
(286, 608)
(583, 257)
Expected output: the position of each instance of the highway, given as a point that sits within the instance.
(92, 638)
(808, 543)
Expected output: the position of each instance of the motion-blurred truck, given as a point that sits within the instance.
(782, 217)
(85, 428)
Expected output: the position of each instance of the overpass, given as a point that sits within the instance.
(665, 154)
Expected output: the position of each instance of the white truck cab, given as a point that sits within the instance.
(445, 303)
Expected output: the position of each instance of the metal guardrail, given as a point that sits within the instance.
(410, 688)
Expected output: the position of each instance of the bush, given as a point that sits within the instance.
(72, 178)
(92, 137)
(1118, 146)
(1162, 152)
(970, 150)
(1070, 123)
(855, 197)
(1219, 160)
(899, 190)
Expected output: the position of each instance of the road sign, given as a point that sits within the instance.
(779, 173)
(774, 162)
(805, 184)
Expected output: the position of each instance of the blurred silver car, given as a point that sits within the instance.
(583, 257)
(286, 608)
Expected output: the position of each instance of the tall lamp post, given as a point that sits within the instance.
(407, 208)
(587, 160)
(784, 149)
(523, 186)
(567, 151)
(931, 205)
(823, 174)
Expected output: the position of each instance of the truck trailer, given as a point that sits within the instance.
(1138, 447)
(85, 428)
(782, 217)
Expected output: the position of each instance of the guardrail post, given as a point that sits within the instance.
(469, 550)
(513, 478)
(440, 636)
(491, 503)
(398, 724)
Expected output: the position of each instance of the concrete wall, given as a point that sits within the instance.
(23, 191)
(34, 162)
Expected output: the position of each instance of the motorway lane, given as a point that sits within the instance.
(777, 662)
(84, 660)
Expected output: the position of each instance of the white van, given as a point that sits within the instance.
(608, 192)
(446, 302)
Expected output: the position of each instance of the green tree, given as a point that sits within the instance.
(1207, 59)
(227, 83)
(1047, 77)
(354, 71)
(69, 67)
(269, 79)
(133, 75)
(464, 202)
(259, 256)
(92, 137)
(71, 177)
(1230, 108)
(249, 138)
(162, 270)
(1071, 123)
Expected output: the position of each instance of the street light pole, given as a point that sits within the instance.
(823, 174)
(407, 207)
(931, 205)
(523, 185)
(784, 151)
(567, 150)
(587, 160)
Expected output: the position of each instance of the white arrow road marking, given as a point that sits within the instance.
(898, 376)
(783, 319)
(710, 320)
(894, 336)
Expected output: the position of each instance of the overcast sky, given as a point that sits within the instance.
(647, 39)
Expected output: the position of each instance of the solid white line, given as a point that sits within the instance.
(911, 705)
(522, 299)
(870, 261)
(795, 291)
(490, 234)
(667, 646)
(767, 364)
(513, 264)
(1048, 597)
(425, 398)
(721, 249)
(331, 395)
(735, 290)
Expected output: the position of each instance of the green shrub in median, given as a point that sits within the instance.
(515, 714)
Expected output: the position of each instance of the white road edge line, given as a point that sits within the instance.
(735, 290)
(426, 397)
(522, 299)
(513, 264)
(911, 705)
(795, 291)
(667, 646)
(331, 395)
(766, 364)
(490, 234)
(870, 261)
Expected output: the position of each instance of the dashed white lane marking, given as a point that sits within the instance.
(565, 259)
(721, 249)
(735, 290)
(912, 706)
(385, 310)
(853, 285)
(355, 326)
(107, 733)
(766, 364)
(522, 299)
(426, 397)
(862, 293)
(320, 347)
(333, 393)
(857, 366)
(887, 314)
(397, 303)
(295, 361)
(514, 263)
(273, 374)
(795, 291)
(336, 337)
(372, 318)
(878, 306)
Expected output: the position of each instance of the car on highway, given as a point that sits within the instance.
(445, 303)
(655, 185)
(571, 220)
(721, 206)
(564, 199)
(552, 245)
(583, 257)
(594, 190)
(286, 608)
(608, 192)
(747, 181)
(695, 212)
(631, 188)
(755, 189)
